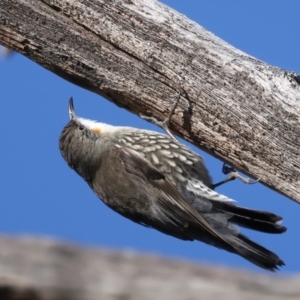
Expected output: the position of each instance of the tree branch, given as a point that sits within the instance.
(136, 53)
(39, 269)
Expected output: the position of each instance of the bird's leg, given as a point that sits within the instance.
(166, 122)
(233, 174)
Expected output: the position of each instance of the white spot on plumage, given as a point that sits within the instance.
(149, 149)
(182, 157)
(180, 177)
(155, 159)
(187, 153)
(163, 141)
(178, 169)
(136, 138)
(174, 146)
(171, 163)
(152, 142)
(137, 147)
(189, 162)
(166, 153)
(165, 146)
(200, 189)
(129, 139)
(195, 158)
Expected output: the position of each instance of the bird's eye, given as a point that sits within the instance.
(81, 127)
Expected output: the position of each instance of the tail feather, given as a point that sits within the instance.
(258, 225)
(255, 253)
(224, 214)
(253, 219)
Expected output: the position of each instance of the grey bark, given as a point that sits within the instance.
(44, 269)
(137, 53)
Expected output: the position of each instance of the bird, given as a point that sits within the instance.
(158, 182)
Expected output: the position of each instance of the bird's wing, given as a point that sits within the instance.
(162, 148)
(171, 207)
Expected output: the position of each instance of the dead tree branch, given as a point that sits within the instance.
(136, 53)
(44, 269)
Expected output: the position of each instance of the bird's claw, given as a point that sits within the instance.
(165, 124)
(232, 175)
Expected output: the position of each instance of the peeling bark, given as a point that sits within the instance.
(137, 53)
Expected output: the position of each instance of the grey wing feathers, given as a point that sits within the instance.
(170, 204)
(164, 151)
(172, 214)
(249, 218)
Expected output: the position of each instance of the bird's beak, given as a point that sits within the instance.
(72, 114)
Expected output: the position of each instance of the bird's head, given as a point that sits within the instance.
(82, 140)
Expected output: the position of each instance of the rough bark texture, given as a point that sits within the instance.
(137, 53)
(34, 269)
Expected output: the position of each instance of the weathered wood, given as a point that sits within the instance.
(44, 269)
(137, 53)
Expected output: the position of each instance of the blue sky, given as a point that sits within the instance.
(41, 196)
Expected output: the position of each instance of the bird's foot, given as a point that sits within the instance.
(233, 174)
(165, 124)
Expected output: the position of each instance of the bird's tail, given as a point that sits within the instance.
(255, 253)
(253, 219)
(221, 218)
